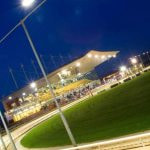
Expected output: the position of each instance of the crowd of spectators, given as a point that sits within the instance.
(71, 96)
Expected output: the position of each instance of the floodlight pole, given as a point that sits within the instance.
(49, 85)
(61, 57)
(26, 77)
(148, 56)
(35, 69)
(14, 80)
(3, 143)
(43, 62)
(141, 61)
(53, 61)
(8, 132)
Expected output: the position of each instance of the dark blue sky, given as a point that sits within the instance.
(62, 27)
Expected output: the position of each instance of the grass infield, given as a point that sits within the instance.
(122, 110)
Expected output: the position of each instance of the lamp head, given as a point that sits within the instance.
(27, 3)
(33, 85)
(123, 68)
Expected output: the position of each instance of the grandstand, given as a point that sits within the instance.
(80, 72)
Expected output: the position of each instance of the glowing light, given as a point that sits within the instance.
(64, 72)
(103, 57)
(96, 56)
(23, 94)
(79, 74)
(109, 56)
(89, 55)
(78, 64)
(114, 56)
(33, 85)
(123, 68)
(10, 97)
(133, 60)
(141, 65)
(27, 3)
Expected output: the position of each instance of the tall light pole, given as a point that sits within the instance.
(14, 80)
(35, 69)
(49, 85)
(43, 62)
(7, 131)
(141, 60)
(22, 67)
(62, 60)
(147, 56)
(53, 61)
(41, 66)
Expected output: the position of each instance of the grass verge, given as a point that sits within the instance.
(122, 110)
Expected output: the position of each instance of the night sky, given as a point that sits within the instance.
(70, 28)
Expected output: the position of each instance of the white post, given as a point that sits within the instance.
(61, 57)
(14, 80)
(141, 61)
(35, 69)
(3, 143)
(26, 77)
(49, 85)
(53, 61)
(42, 61)
(8, 132)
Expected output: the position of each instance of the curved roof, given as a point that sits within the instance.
(88, 62)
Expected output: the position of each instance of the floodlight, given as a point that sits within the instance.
(89, 55)
(27, 3)
(123, 68)
(96, 56)
(33, 85)
(78, 64)
(133, 60)
(10, 97)
(103, 56)
(23, 94)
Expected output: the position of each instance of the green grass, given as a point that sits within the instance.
(122, 110)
